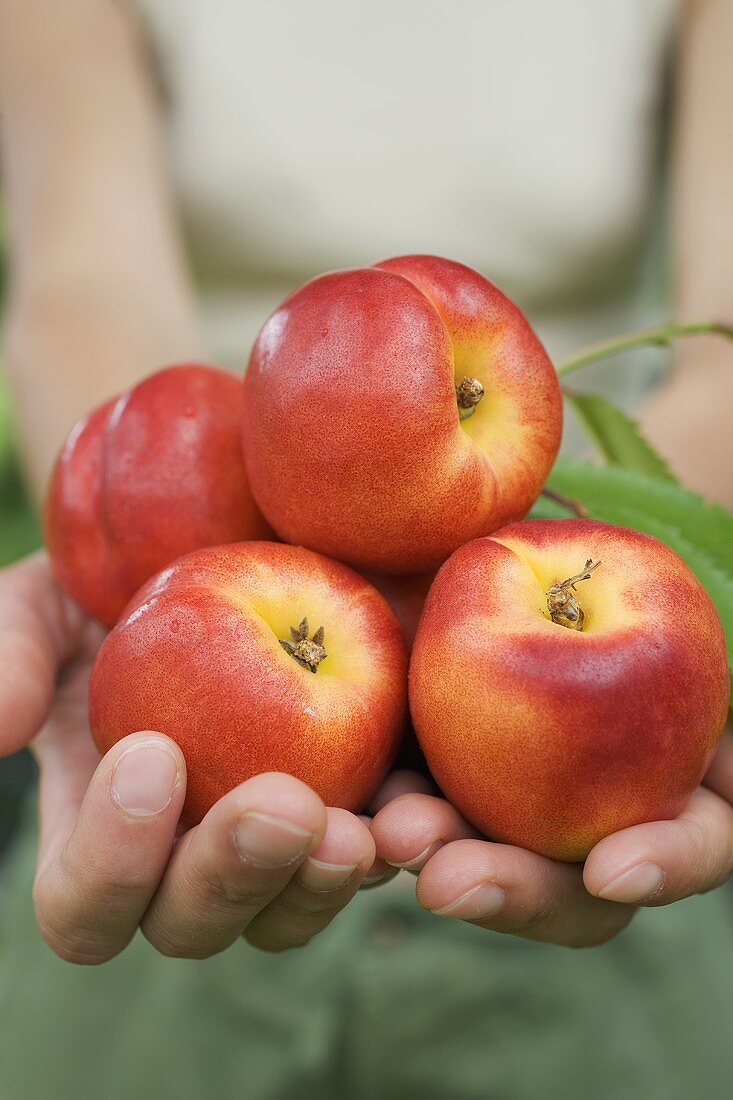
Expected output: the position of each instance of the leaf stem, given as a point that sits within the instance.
(572, 505)
(659, 336)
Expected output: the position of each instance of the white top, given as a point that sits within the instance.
(518, 136)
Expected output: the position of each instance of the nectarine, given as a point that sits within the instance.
(258, 657)
(568, 679)
(145, 478)
(394, 412)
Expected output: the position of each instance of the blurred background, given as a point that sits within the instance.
(19, 533)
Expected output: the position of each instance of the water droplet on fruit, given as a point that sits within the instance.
(189, 411)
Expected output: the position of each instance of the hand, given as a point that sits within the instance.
(269, 861)
(508, 889)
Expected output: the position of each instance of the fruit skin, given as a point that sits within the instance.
(550, 738)
(353, 442)
(196, 656)
(147, 477)
(406, 596)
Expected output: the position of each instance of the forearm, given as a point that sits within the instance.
(69, 347)
(689, 419)
(99, 293)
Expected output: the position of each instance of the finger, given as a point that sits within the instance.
(380, 872)
(411, 828)
(719, 776)
(232, 865)
(666, 860)
(511, 890)
(40, 629)
(93, 886)
(322, 886)
(67, 758)
(398, 783)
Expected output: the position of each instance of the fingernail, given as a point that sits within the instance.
(481, 902)
(632, 887)
(322, 877)
(144, 779)
(266, 841)
(417, 861)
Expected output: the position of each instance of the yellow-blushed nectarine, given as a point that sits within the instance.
(568, 679)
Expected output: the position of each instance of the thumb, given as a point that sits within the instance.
(100, 865)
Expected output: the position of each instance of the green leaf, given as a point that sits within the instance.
(617, 436)
(701, 533)
(603, 489)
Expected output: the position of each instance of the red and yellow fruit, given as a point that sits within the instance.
(548, 736)
(199, 656)
(394, 412)
(144, 478)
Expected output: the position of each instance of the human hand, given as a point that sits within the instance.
(508, 889)
(269, 862)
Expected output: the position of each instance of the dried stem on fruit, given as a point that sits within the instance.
(308, 652)
(561, 603)
(469, 393)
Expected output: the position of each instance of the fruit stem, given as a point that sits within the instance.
(308, 652)
(469, 393)
(659, 336)
(561, 603)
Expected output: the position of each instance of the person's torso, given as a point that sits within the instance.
(517, 136)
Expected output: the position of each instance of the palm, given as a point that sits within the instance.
(63, 746)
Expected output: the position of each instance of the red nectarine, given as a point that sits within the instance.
(394, 412)
(258, 657)
(147, 477)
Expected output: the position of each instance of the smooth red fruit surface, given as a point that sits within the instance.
(197, 656)
(353, 441)
(551, 738)
(144, 478)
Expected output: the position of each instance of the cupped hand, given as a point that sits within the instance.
(269, 861)
(507, 889)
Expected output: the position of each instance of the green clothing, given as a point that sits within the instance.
(390, 1002)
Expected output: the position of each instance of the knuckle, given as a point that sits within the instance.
(178, 943)
(174, 948)
(114, 884)
(310, 903)
(70, 944)
(598, 931)
(208, 883)
(292, 922)
(306, 908)
(539, 921)
(76, 920)
(594, 937)
(273, 943)
(711, 861)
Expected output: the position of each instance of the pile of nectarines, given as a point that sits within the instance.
(568, 678)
